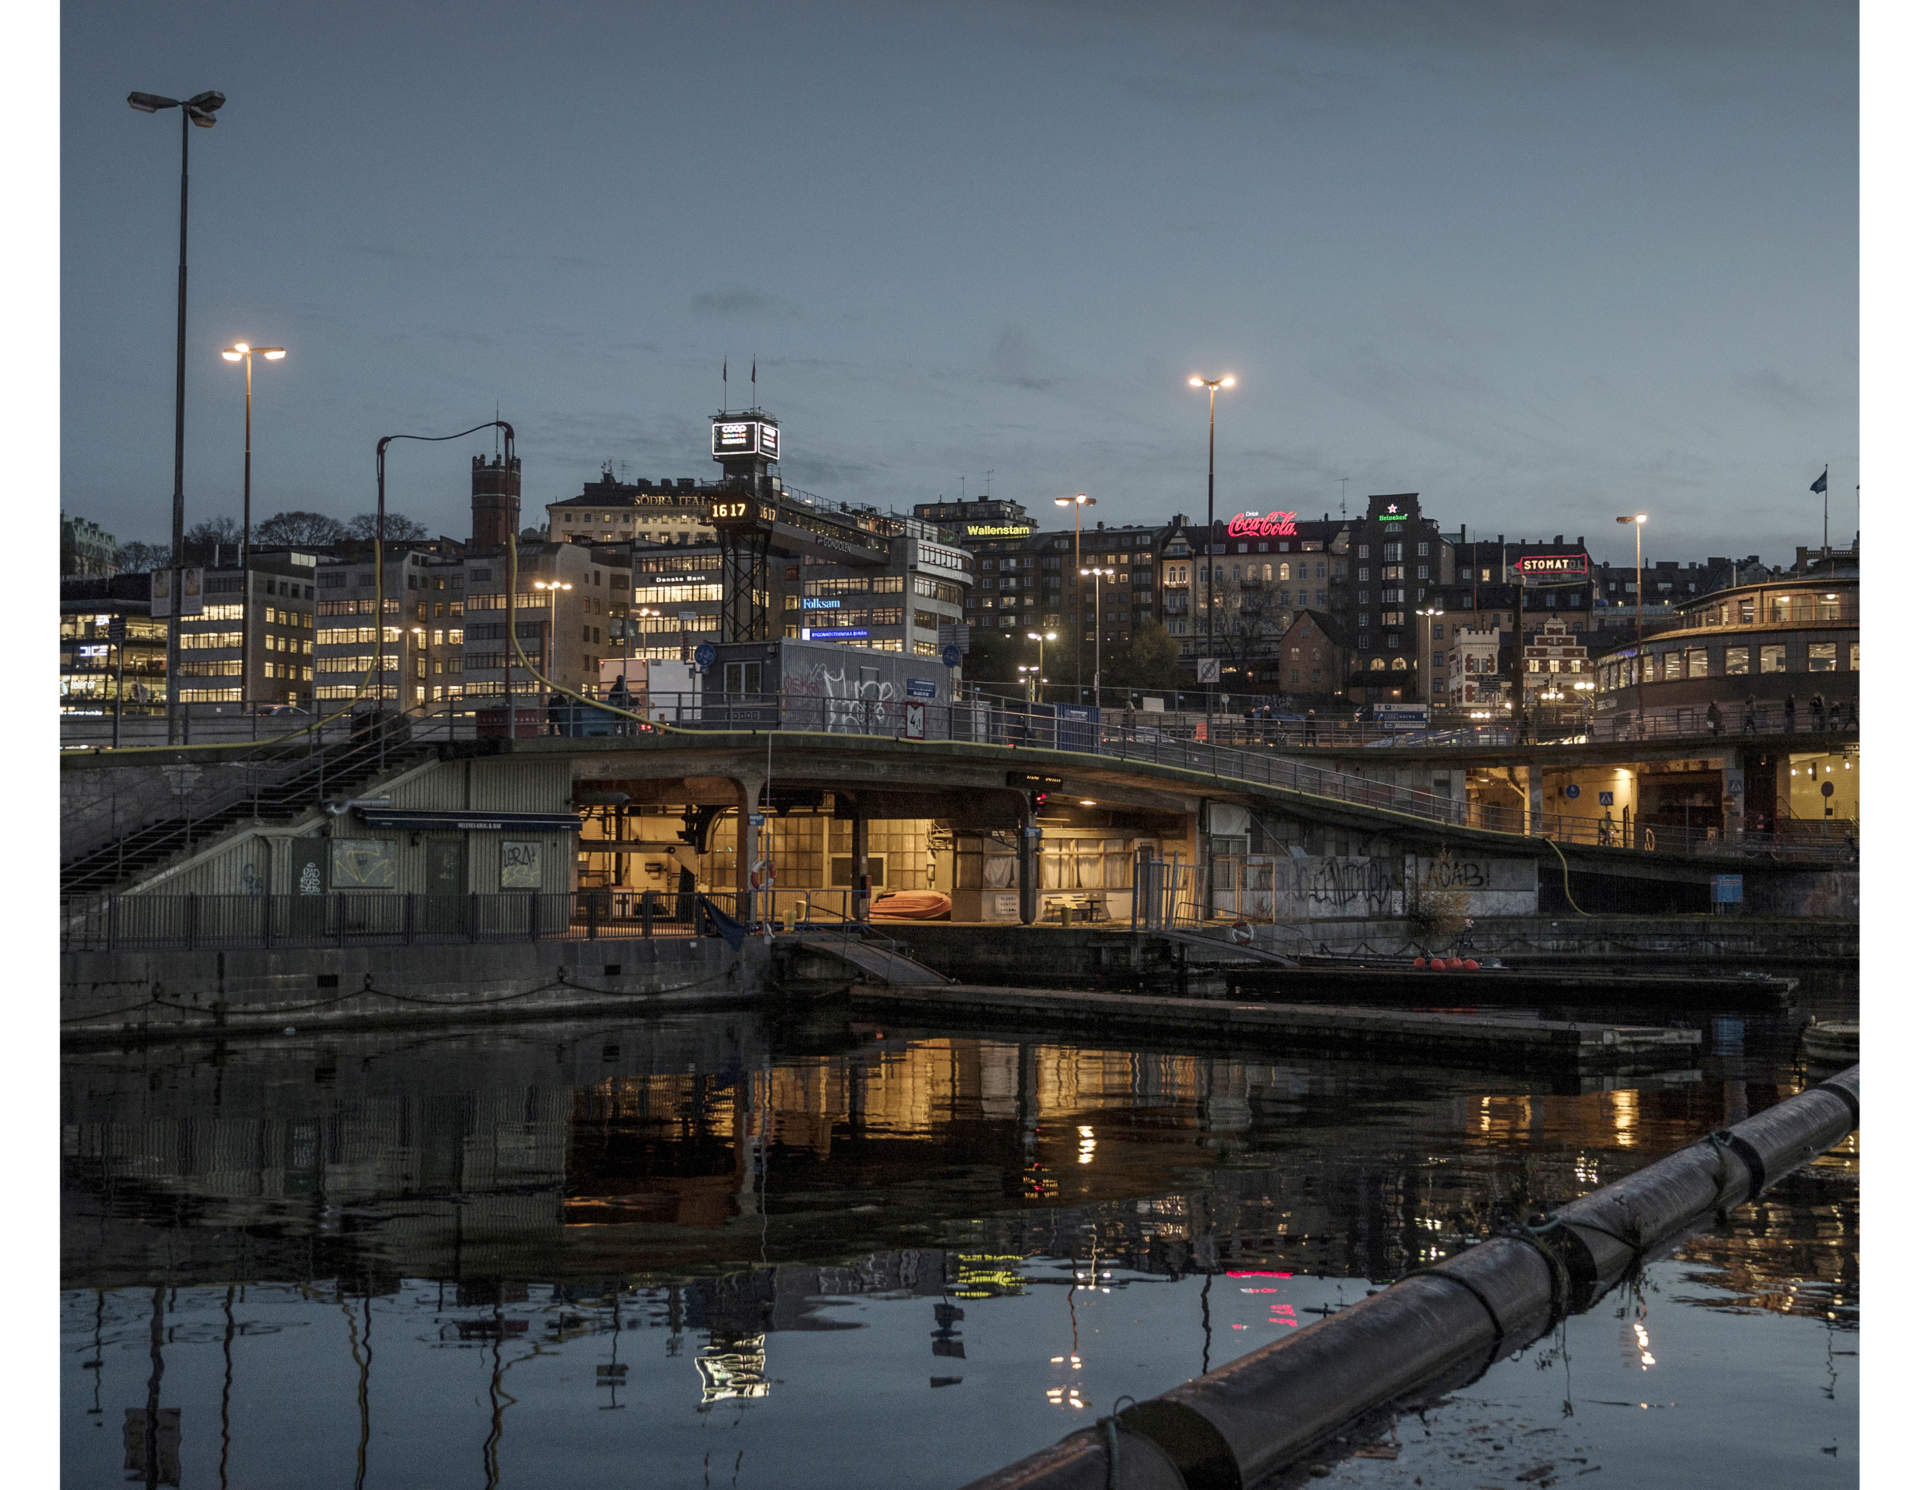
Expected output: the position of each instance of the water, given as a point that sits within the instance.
(711, 1252)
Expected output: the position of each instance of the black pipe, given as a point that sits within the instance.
(1253, 1417)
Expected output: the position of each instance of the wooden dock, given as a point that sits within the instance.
(1475, 1039)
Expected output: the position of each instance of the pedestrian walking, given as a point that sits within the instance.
(1789, 714)
(1713, 718)
(1313, 729)
(1750, 724)
(1817, 714)
(1833, 715)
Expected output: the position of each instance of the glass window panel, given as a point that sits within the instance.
(1739, 660)
(1822, 657)
(1773, 659)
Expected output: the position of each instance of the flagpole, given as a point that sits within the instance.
(1826, 548)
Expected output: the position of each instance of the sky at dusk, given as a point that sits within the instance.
(1542, 263)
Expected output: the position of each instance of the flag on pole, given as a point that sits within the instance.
(1821, 484)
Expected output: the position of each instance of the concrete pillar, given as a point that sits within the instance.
(749, 785)
(862, 903)
(1029, 862)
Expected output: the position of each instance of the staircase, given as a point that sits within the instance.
(344, 769)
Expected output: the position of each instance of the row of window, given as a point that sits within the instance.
(1734, 659)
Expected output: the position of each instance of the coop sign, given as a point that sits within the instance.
(1252, 525)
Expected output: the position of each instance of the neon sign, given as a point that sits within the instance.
(1551, 564)
(1252, 525)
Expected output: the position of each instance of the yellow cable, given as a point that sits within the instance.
(1565, 883)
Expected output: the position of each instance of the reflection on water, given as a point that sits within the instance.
(438, 1260)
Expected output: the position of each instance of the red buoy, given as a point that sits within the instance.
(1471, 965)
(1454, 964)
(1419, 964)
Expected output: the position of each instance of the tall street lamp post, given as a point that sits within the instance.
(1427, 615)
(241, 352)
(1098, 574)
(1076, 502)
(1040, 665)
(1213, 386)
(553, 589)
(1639, 521)
(197, 111)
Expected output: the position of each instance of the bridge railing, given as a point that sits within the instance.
(374, 918)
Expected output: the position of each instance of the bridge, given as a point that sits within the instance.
(1016, 816)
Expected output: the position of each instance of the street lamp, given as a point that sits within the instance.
(1213, 386)
(241, 352)
(197, 111)
(1639, 521)
(553, 589)
(1042, 637)
(1427, 615)
(1076, 502)
(1098, 575)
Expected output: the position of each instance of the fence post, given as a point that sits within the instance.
(593, 915)
(473, 916)
(533, 915)
(113, 907)
(266, 920)
(193, 922)
(406, 922)
(646, 914)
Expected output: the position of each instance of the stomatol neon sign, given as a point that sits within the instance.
(1252, 525)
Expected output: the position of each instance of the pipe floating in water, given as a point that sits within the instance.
(1236, 1426)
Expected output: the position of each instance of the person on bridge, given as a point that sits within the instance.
(1789, 714)
(1713, 718)
(1313, 729)
(1833, 715)
(1606, 827)
(1749, 725)
(1817, 715)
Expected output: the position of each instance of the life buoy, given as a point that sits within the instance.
(1242, 933)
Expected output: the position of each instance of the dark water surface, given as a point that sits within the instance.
(710, 1252)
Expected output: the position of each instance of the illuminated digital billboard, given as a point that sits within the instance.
(745, 437)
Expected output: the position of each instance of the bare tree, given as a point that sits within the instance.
(142, 558)
(216, 540)
(399, 529)
(300, 529)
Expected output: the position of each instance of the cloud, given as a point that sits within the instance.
(1013, 360)
(740, 302)
(1762, 385)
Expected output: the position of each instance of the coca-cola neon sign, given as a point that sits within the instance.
(1252, 525)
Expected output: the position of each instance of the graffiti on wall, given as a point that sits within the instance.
(1350, 887)
(860, 706)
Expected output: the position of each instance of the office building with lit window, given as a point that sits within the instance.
(277, 666)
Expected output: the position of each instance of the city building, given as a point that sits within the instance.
(112, 650)
(276, 663)
(1267, 567)
(1314, 657)
(86, 548)
(666, 511)
(1396, 556)
(1474, 676)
